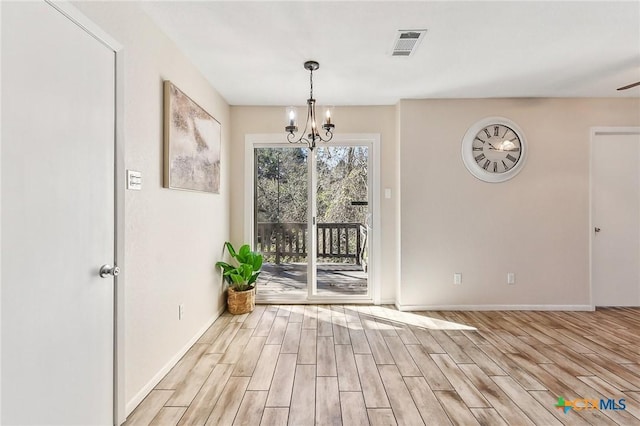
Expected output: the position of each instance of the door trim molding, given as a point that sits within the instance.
(277, 140)
(77, 17)
(593, 133)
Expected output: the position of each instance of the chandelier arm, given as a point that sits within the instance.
(311, 119)
(291, 138)
(329, 135)
(327, 138)
(306, 125)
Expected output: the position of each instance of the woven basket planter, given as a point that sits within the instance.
(241, 302)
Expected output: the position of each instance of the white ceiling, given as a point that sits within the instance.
(252, 52)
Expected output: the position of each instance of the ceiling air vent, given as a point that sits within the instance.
(407, 41)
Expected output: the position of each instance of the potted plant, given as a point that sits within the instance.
(241, 275)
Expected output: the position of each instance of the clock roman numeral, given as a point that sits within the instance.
(512, 158)
(477, 148)
(486, 164)
(505, 166)
(495, 167)
(487, 133)
(495, 130)
(479, 158)
(480, 140)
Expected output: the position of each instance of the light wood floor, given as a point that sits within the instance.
(333, 365)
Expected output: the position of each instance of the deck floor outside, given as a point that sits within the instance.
(290, 280)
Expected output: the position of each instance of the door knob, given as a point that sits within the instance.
(108, 270)
(597, 229)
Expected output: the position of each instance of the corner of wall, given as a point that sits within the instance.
(398, 204)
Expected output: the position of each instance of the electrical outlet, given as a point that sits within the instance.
(180, 311)
(511, 278)
(457, 278)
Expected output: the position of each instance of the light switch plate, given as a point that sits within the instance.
(134, 180)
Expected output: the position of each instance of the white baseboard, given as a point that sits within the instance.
(494, 307)
(137, 399)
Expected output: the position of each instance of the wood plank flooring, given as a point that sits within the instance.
(365, 365)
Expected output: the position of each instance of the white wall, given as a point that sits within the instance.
(172, 238)
(247, 120)
(535, 225)
(0, 232)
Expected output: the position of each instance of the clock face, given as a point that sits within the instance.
(493, 149)
(496, 148)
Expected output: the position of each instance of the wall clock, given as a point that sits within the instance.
(494, 149)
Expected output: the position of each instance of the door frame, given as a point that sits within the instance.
(91, 28)
(278, 140)
(594, 132)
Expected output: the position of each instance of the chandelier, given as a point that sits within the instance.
(310, 124)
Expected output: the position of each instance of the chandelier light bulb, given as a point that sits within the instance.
(292, 114)
(328, 117)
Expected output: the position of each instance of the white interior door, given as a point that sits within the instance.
(57, 220)
(615, 178)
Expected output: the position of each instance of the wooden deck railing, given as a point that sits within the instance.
(287, 242)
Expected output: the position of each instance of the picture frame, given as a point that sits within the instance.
(192, 139)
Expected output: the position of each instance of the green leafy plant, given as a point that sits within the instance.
(242, 275)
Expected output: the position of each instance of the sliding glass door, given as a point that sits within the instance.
(311, 221)
(342, 203)
(281, 200)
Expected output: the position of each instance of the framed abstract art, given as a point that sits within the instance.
(191, 144)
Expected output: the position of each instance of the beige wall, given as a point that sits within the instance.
(536, 225)
(248, 120)
(172, 237)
